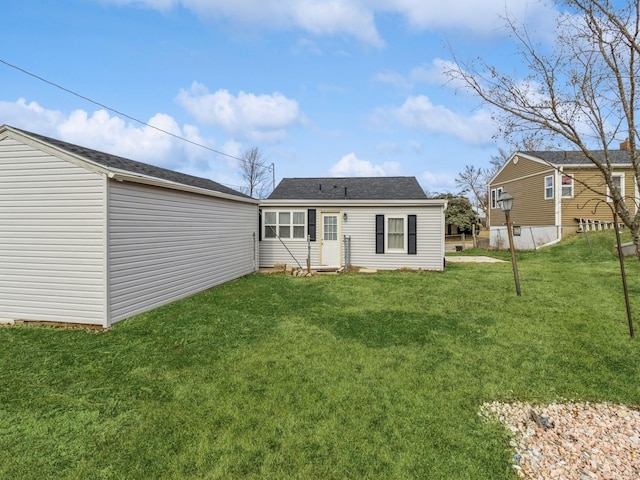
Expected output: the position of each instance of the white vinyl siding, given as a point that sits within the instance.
(51, 238)
(360, 224)
(165, 245)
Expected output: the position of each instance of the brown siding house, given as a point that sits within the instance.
(555, 194)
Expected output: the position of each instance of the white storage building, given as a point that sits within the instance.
(92, 238)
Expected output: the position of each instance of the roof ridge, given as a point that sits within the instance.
(117, 162)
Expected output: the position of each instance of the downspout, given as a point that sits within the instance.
(558, 201)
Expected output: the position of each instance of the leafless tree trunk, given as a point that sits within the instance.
(255, 173)
(580, 93)
(473, 180)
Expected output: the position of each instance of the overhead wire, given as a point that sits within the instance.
(102, 105)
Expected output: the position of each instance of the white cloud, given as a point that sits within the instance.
(30, 116)
(256, 117)
(351, 166)
(438, 182)
(318, 17)
(102, 131)
(435, 74)
(484, 17)
(418, 112)
(394, 79)
(356, 18)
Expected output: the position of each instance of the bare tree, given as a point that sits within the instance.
(582, 93)
(473, 181)
(255, 173)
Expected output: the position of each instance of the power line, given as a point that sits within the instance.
(26, 72)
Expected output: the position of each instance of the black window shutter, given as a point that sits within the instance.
(260, 225)
(311, 224)
(379, 233)
(412, 247)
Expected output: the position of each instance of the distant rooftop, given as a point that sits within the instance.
(619, 157)
(352, 188)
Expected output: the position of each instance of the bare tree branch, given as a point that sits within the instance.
(581, 92)
(255, 173)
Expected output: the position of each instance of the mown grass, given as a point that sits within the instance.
(351, 376)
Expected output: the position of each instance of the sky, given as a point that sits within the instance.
(323, 88)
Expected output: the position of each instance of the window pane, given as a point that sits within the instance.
(330, 230)
(396, 225)
(270, 218)
(617, 181)
(285, 231)
(298, 218)
(396, 233)
(548, 187)
(285, 218)
(567, 186)
(298, 231)
(269, 231)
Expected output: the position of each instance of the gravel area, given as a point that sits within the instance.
(581, 441)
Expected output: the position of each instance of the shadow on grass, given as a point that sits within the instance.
(387, 328)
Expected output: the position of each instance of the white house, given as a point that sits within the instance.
(378, 222)
(92, 238)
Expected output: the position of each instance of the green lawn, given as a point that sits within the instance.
(330, 377)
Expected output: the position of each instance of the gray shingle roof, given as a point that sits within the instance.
(120, 163)
(352, 188)
(578, 158)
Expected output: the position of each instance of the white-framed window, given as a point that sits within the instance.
(567, 186)
(285, 224)
(548, 187)
(396, 235)
(495, 197)
(618, 181)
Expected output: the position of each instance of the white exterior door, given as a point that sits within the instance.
(330, 245)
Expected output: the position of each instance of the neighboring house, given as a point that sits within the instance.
(555, 194)
(389, 222)
(92, 238)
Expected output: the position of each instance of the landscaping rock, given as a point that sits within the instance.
(575, 441)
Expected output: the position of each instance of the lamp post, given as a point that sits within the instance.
(506, 202)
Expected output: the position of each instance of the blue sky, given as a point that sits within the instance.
(321, 87)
